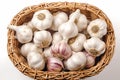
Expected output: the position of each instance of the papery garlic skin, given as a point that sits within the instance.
(42, 19)
(77, 45)
(57, 37)
(68, 30)
(90, 60)
(58, 19)
(54, 64)
(97, 28)
(95, 46)
(29, 47)
(47, 52)
(42, 38)
(36, 60)
(76, 62)
(61, 50)
(24, 34)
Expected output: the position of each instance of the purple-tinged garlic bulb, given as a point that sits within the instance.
(61, 50)
(54, 64)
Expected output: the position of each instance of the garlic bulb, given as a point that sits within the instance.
(76, 43)
(54, 64)
(68, 29)
(47, 52)
(29, 47)
(58, 19)
(81, 21)
(57, 38)
(23, 33)
(42, 19)
(61, 50)
(36, 60)
(90, 60)
(94, 46)
(97, 28)
(42, 38)
(76, 61)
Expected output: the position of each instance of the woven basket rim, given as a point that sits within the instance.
(36, 74)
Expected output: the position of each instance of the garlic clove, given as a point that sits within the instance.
(24, 34)
(77, 45)
(57, 38)
(42, 19)
(58, 19)
(61, 50)
(42, 38)
(76, 61)
(97, 28)
(47, 52)
(29, 47)
(54, 64)
(90, 60)
(95, 46)
(36, 60)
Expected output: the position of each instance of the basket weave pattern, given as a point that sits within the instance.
(90, 11)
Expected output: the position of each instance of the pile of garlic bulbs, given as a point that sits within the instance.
(58, 41)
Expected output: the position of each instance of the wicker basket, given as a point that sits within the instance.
(90, 11)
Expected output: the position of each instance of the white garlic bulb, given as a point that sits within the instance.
(47, 52)
(82, 23)
(76, 61)
(54, 64)
(42, 19)
(28, 47)
(97, 28)
(58, 19)
(57, 37)
(42, 38)
(81, 20)
(95, 46)
(68, 29)
(36, 60)
(77, 45)
(24, 34)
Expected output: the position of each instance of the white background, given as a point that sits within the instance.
(8, 8)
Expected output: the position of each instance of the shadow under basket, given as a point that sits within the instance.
(91, 13)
